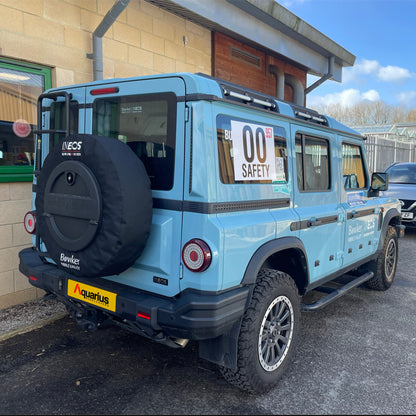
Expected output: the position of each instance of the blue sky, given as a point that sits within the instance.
(382, 36)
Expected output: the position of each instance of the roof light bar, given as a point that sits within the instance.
(310, 117)
(300, 113)
(249, 99)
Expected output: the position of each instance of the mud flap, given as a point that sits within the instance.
(223, 349)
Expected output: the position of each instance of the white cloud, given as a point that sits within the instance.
(346, 98)
(389, 73)
(371, 95)
(394, 74)
(407, 97)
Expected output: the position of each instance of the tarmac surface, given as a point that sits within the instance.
(356, 356)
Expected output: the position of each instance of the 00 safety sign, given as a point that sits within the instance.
(253, 151)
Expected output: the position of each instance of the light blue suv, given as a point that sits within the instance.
(183, 207)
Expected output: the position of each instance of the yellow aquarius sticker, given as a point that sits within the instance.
(93, 295)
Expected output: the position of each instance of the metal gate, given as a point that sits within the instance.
(381, 153)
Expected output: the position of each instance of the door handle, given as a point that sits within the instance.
(314, 222)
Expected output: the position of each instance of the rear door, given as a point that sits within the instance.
(317, 201)
(57, 107)
(148, 117)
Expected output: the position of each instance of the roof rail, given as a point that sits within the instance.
(249, 99)
(238, 93)
(308, 114)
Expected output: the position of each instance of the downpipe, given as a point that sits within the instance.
(100, 31)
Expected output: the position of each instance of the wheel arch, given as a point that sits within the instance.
(286, 254)
(391, 218)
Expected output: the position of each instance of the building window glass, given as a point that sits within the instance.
(20, 86)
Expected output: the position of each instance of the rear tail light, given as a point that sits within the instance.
(29, 222)
(196, 255)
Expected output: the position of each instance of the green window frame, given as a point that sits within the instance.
(13, 173)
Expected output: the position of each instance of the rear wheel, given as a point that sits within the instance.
(384, 268)
(268, 335)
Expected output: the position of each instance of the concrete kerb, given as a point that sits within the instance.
(31, 327)
(28, 316)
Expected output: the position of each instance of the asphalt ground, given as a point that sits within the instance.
(356, 356)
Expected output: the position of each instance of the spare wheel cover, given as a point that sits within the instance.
(94, 205)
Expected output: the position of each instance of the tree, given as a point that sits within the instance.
(368, 113)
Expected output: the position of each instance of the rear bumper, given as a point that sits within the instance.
(193, 314)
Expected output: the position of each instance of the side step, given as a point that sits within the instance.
(334, 294)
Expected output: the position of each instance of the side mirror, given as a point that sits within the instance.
(379, 182)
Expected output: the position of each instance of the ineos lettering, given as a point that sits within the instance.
(71, 145)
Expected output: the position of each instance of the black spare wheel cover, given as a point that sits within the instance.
(94, 205)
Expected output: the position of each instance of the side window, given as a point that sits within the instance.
(352, 167)
(312, 163)
(250, 152)
(147, 124)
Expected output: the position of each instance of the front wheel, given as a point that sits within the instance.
(269, 333)
(384, 267)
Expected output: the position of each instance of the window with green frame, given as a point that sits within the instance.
(20, 86)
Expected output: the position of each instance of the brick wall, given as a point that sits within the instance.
(15, 201)
(144, 40)
(239, 63)
(58, 33)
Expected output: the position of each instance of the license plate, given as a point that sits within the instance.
(93, 295)
(407, 215)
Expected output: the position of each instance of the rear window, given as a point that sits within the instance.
(58, 121)
(145, 123)
(402, 174)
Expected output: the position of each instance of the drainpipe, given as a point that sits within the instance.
(100, 31)
(280, 81)
(298, 92)
(324, 78)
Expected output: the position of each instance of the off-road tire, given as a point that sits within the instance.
(270, 325)
(384, 267)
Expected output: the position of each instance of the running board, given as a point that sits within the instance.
(336, 293)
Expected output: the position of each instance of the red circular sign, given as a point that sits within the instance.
(21, 128)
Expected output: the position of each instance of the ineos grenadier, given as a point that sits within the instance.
(184, 207)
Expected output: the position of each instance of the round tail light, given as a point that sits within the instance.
(29, 222)
(196, 255)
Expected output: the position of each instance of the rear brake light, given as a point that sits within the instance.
(29, 222)
(33, 278)
(196, 255)
(101, 91)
